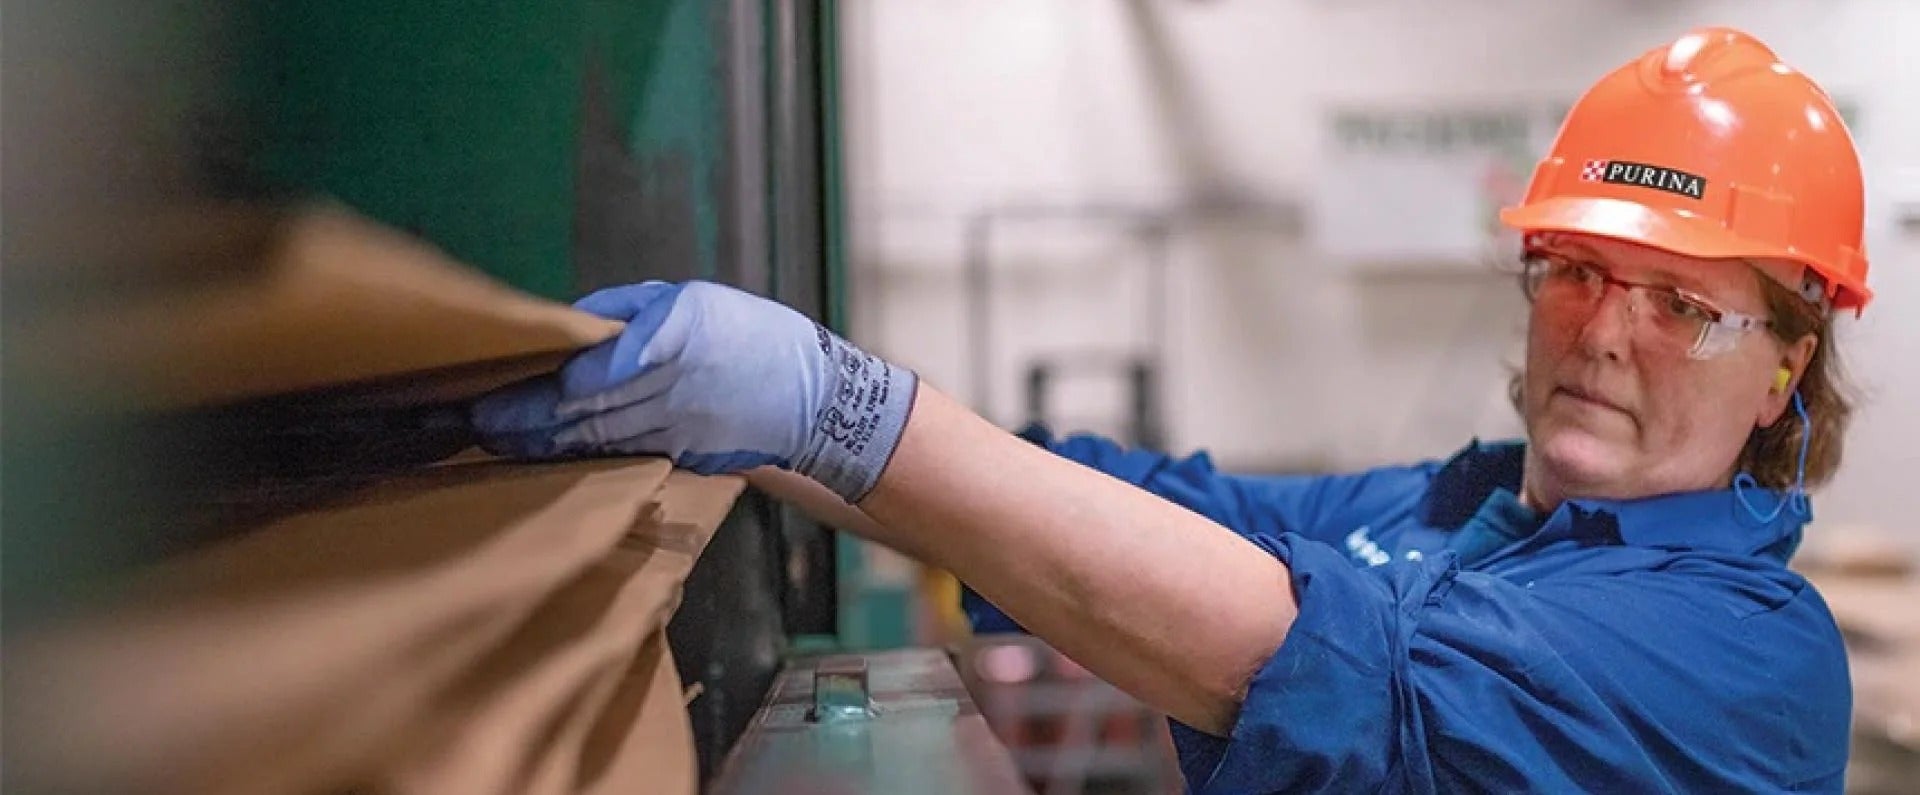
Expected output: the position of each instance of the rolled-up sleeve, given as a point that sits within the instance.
(1327, 711)
(1415, 677)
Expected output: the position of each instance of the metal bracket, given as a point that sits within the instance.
(841, 691)
(884, 721)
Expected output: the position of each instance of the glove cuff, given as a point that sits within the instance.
(855, 434)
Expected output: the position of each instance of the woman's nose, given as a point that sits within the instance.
(1609, 328)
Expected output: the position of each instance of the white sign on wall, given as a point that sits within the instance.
(1419, 188)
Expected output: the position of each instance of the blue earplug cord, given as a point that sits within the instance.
(1796, 494)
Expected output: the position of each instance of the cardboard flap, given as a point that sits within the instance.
(320, 297)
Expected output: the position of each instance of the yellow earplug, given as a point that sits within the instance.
(1781, 378)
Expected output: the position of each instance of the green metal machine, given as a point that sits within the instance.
(566, 145)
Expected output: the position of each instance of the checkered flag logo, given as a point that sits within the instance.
(1594, 170)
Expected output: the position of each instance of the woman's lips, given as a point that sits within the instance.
(1593, 398)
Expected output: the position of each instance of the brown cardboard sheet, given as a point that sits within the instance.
(319, 298)
(455, 625)
(469, 629)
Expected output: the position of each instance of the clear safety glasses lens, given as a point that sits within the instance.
(1671, 319)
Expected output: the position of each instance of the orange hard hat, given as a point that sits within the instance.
(1711, 147)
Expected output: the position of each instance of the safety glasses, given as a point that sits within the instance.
(1671, 317)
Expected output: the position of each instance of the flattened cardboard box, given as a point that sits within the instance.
(468, 627)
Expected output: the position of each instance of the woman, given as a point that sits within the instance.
(1603, 608)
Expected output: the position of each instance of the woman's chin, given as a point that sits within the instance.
(1580, 459)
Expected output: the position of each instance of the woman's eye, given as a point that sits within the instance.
(1684, 309)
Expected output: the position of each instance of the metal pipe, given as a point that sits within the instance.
(750, 264)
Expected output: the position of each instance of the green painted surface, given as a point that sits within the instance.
(460, 122)
(874, 615)
(455, 121)
(681, 117)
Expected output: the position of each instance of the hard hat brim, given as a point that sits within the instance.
(1633, 222)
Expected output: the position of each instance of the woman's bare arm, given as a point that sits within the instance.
(1154, 598)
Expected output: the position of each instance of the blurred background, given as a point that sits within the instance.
(1262, 229)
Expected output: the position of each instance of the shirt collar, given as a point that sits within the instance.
(1716, 520)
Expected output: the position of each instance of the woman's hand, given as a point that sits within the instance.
(717, 379)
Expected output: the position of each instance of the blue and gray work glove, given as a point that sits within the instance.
(717, 379)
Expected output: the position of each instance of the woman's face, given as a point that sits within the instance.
(1616, 405)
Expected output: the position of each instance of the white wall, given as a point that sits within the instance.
(1277, 356)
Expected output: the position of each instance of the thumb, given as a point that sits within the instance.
(645, 308)
(632, 303)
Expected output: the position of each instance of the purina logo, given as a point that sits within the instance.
(1641, 175)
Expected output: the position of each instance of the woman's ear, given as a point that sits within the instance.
(1786, 378)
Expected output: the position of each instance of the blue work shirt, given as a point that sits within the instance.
(1451, 639)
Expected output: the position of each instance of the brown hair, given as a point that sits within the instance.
(1772, 454)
